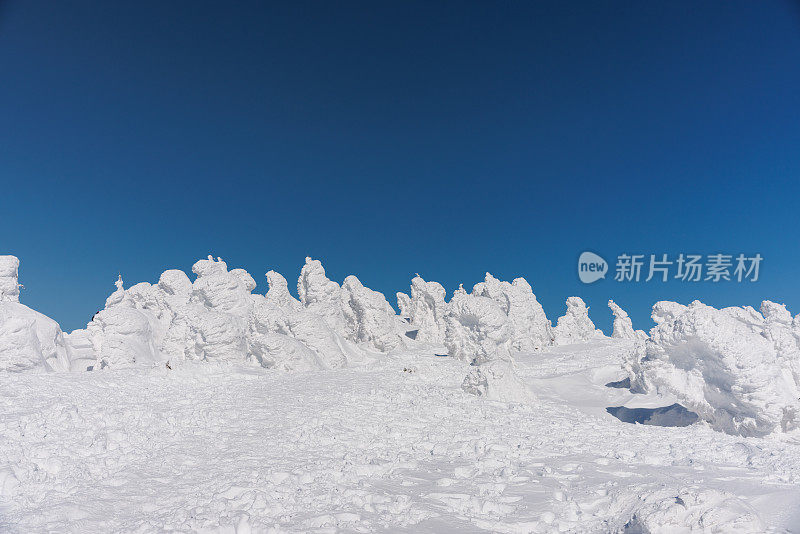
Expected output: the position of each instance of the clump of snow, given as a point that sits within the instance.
(29, 340)
(733, 367)
(575, 326)
(220, 305)
(279, 351)
(497, 380)
(426, 310)
(784, 332)
(532, 329)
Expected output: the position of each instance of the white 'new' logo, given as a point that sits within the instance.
(591, 267)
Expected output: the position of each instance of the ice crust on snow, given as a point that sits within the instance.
(736, 368)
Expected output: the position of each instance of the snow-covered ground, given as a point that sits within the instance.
(199, 406)
(393, 444)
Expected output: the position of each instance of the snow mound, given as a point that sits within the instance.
(425, 309)
(532, 329)
(735, 368)
(575, 326)
(623, 326)
(29, 340)
(497, 380)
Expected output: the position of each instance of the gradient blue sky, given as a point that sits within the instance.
(386, 139)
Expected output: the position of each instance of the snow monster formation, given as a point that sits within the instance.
(217, 318)
(623, 327)
(478, 330)
(735, 367)
(575, 326)
(29, 341)
(425, 310)
(531, 328)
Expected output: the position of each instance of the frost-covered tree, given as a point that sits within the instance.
(575, 326)
(531, 328)
(732, 366)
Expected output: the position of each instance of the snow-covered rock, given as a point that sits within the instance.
(730, 367)
(426, 309)
(532, 329)
(29, 340)
(575, 326)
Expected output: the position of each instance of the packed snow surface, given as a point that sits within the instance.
(200, 406)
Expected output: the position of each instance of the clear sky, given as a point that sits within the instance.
(387, 139)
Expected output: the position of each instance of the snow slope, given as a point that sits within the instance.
(393, 445)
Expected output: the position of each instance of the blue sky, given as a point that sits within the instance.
(388, 139)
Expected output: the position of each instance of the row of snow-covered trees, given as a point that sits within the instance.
(737, 368)
(219, 318)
